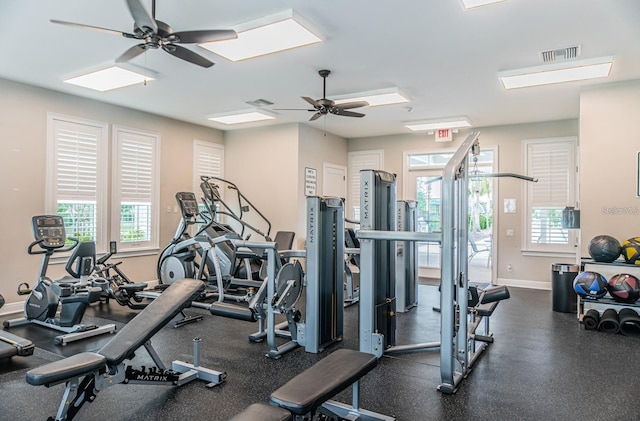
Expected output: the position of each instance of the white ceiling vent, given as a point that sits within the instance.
(560, 54)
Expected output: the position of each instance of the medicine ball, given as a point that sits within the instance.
(604, 248)
(590, 285)
(624, 288)
(631, 250)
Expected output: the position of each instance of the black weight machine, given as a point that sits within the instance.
(70, 295)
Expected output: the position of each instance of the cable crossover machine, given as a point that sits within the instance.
(463, 309)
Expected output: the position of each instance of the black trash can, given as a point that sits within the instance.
(564, 297)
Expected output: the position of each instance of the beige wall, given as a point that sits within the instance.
(268, 165)
(609, 146)
(533, 271)
(23, 117)
(263, 163)
(316, 148)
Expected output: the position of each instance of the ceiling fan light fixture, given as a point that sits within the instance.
(441, 123)
(109, 78)
(470, 4)
(271, 34)
(242, 116)
(375, 98)
(568, 71)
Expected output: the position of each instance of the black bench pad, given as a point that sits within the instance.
(74, 366)
(11, 345)
(150, 320)
(262, 412)
(320, 382)
(495, 294)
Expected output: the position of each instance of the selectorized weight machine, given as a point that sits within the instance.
(462, 308)
(322, 324)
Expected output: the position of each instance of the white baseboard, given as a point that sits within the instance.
(523, 283)
(12, 308)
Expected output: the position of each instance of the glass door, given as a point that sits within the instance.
(424, 184)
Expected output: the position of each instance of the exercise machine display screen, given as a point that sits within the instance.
(49, 230)
(188, 204)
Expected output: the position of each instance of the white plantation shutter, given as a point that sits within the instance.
(553, 163)
(76, 163)
(136, 167)
(208, 160)
(365, 160)
(135, 188)
(76, 160)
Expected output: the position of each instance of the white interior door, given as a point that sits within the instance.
(334, 180)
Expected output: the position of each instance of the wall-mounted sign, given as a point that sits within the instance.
(310, 181)
(444, 135)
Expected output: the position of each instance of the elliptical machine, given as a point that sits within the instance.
(72, 295)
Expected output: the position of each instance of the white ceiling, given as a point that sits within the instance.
(445, 58)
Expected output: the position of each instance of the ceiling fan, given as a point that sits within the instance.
(156, 34)
(324, 106)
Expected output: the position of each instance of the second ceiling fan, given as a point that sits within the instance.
(324, 106)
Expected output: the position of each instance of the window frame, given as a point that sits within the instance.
(529, 247)
(154, 140)
(101, 129)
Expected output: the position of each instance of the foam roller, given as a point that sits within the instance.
(609, 322)
(629, 322)
(591, 320)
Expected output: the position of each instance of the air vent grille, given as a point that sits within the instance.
(260, 102)
(560, 54)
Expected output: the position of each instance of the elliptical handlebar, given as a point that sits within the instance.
(213, 188)
(51, 250)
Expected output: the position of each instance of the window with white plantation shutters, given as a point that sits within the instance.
(208, 160)
(365, 160)
(135, 183)
(553, 163)
(75, 166)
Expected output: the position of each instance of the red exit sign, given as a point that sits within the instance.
(444, 135)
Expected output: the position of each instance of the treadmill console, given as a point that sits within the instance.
(49, 231)
(188, 204)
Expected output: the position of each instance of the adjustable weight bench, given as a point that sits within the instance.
(86, 373)
(309, 392)
(11, 345)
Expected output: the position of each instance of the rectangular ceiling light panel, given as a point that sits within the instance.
(239, 117)
(569, 71)
(470, 4)
(107, 79)
(265, 36)
(446, 123)
(374, 98)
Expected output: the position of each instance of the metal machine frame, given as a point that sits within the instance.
(459, 349)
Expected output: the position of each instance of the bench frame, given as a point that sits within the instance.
(101, 372)
(345, 367)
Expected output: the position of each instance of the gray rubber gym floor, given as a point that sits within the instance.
(542, 366)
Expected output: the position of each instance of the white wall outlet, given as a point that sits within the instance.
(510, 233)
